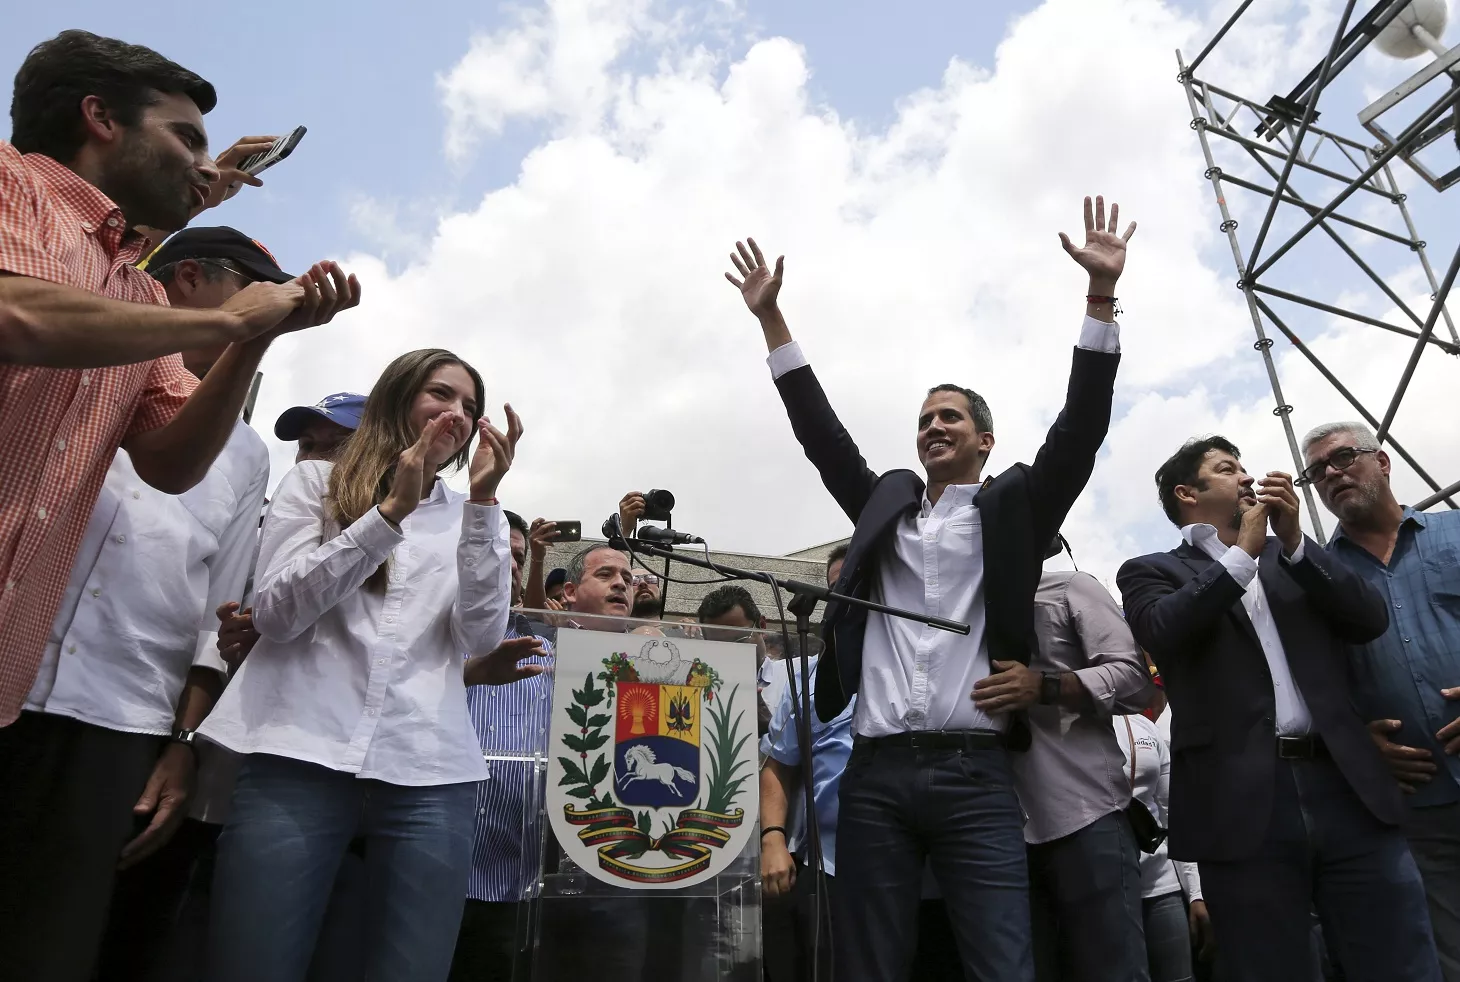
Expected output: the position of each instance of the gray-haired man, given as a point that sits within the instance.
(1407, 682)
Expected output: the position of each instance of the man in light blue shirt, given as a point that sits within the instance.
(1407, 681)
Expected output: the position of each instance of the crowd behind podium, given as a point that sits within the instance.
(257, 734)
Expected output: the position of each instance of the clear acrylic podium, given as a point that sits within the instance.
(572, 925)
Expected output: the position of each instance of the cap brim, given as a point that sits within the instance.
(267, 272)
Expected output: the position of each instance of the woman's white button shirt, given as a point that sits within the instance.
(360, 680)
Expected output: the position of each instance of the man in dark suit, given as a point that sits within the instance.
(929, 774)
(1277, 789)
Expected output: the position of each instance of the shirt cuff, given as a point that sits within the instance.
(372, 534)
(786, 358)
(1297, 556)
(482, 521)
(206, 655)
(1097, 335)
(1241, 566)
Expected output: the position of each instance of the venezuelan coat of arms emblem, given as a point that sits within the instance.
(652, 758)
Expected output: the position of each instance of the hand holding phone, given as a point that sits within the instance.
(281, 148)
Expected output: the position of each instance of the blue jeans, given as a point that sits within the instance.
(901, 807)
(287, 834)
(1323, 849)
(1168, 938)
(1085, 889)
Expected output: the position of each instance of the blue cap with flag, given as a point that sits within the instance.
(344, 408)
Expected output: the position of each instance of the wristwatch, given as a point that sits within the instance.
(1049, 688)
(188, 738)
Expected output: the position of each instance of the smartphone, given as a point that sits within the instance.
(282, 148)
(568, 531)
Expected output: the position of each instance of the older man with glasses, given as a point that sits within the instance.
(1407, 681)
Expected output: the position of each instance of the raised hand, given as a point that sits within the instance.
(541, 534)
(410, 469)
(1276, 492)
(230, 179)
(630, 509)
(1103, 254)
(500, 666)
(1252, 536)
(495, 451)
(758, 287)
(327, 292)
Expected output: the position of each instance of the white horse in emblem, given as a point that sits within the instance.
(644, 766)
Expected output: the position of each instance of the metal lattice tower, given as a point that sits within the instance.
(1274, 144)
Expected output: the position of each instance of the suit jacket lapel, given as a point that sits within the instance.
(1199, 561)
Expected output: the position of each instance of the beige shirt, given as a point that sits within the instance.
(1074, 770)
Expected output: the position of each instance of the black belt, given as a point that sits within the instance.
(935, 740)
(1306, 747)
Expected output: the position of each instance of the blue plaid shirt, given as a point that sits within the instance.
(509, 719)
(1400, 675)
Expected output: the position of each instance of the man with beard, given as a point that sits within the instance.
(1277, 789)
(105, 136)
(929, 778)
(1406, 682)
(646, 594)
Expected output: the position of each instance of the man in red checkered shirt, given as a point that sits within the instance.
(106, 137)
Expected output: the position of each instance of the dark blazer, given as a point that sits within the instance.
(1186, 610)
(1020, 511)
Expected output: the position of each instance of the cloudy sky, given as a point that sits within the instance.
(550, 189)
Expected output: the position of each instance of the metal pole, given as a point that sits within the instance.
(1303, 349)
(1417, 126)
(1351, 315)
(1419, 346)
(1221, 34)
(1437, 497)
(1302, 134)
(1264, 343)
(1419, 247)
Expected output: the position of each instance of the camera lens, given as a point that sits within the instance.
(657, 505)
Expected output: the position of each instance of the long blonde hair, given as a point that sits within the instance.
(365, 465)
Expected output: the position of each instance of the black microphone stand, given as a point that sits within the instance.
(804, 598)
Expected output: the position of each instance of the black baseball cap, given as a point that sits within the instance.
(555, 577)
(218, 242)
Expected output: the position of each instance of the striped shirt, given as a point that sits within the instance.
(60, 428)
(1400, 674)
(510, 720)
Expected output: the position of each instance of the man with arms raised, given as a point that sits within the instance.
(1277, 789)
(929, 775)
(1407, 681)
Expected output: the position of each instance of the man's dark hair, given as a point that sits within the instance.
(578, 565)
(840, 552)
(514, 521)
(45, 112)
(983, 420)
(1183, 467)
(724, 599)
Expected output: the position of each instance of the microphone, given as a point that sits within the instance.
(666, 537)
(611, 530)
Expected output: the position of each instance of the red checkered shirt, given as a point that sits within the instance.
(60, 427)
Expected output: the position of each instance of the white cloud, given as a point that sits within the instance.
(589, 292)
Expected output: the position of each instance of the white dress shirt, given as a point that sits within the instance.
(1293, 718)
(151, 570)
(360, 680)
(916, 677)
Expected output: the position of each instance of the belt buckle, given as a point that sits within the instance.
(918, 740)
(1295, 747)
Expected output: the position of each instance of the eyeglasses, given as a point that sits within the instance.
(648, 578)
(1340, 460)
(228, 266)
